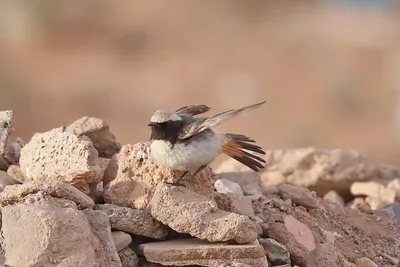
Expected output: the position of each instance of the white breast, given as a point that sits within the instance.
(202, 150)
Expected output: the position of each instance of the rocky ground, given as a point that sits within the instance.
(75, 196)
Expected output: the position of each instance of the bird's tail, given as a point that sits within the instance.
(234, 145)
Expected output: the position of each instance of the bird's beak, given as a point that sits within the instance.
(151, 124)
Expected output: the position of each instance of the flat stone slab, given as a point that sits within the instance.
(193, 251)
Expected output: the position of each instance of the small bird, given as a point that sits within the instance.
(182, 142)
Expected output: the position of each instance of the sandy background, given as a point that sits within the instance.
(330, 72)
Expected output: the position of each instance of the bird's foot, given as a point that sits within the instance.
(177, 183)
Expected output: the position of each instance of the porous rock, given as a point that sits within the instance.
(102, 230)
(132, 175)
(61, 155)
(296, 236)
(98, 131)
(250, 182)
(299, 195)
(188, 212)
(15, 172)
(192, 251)
(365, 262)
(133, 221)
(320, 170)
(334, 197)
(326, 255)
(47, 231)
(18, 193)
(128, 257)
(275, 251)
(6, 129)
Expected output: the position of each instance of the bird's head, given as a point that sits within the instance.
(165, 125)
(162, 117)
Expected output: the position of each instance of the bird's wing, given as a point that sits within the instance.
(204, 123)
(192, 110)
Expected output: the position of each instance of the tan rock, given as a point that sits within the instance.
(299, 195)
(133, 221)
(365, 262)
(334, 197)
(193, 251)
(296, 236)
(99, 133)
(15, 172)
(270, 190)
(275, 251)
(242, 205)
(188, 212)
(6, 180)
(128, 257)
(18, 193)
(395, 186)
(326, 255)
(250, 182)
(377, 194)
(49, 232)
(121, 239)
(375, 203)
(6, 129)
(132, 175)
(320, 170)
(102, 230)
(60, 155)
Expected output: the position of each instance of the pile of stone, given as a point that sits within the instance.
(74, 196)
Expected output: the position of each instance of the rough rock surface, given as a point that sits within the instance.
(98, 131)
(250, 182)
(55, 233)
(365, 262)
(297, 237)
(15, 172)
(128, 257)
(132, 175)
(133, 221)
(334, 197)
(326, 255)
(102, 230)
(229, 188)
(19, 193)
(320, 170)
(182, 252)
(6, 129)
(378, 195)
(61, 155)
(6, 180)
(275, 251)
(188, 212)
(299, 195)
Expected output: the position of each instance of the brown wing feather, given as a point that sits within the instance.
(235, 145)
(192, 110)
(202, 124)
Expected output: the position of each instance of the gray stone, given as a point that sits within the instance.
(276, 252)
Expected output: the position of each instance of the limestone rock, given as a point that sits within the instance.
(326, 255)
(296, 236)
(320, 170)
(102, 230)
(299, 195)
(132, 175)
(98, 131)
(191, 251)
(15, 172)
(365, 262)
(250, 182)
(392, 210)
(133, 221)
(188, 212)
(49, 232)
(229, 188)
(19, 193)
(128, 257)
(121, 240)
(61, 155)
(334, 197)
(276, 252)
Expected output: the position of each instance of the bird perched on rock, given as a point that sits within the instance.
(182, 142)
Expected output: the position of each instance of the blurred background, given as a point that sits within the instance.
(329, 70)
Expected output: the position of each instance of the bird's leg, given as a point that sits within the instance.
(177, 183)
(195, 173)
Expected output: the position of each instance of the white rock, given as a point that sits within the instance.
(227, 187)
